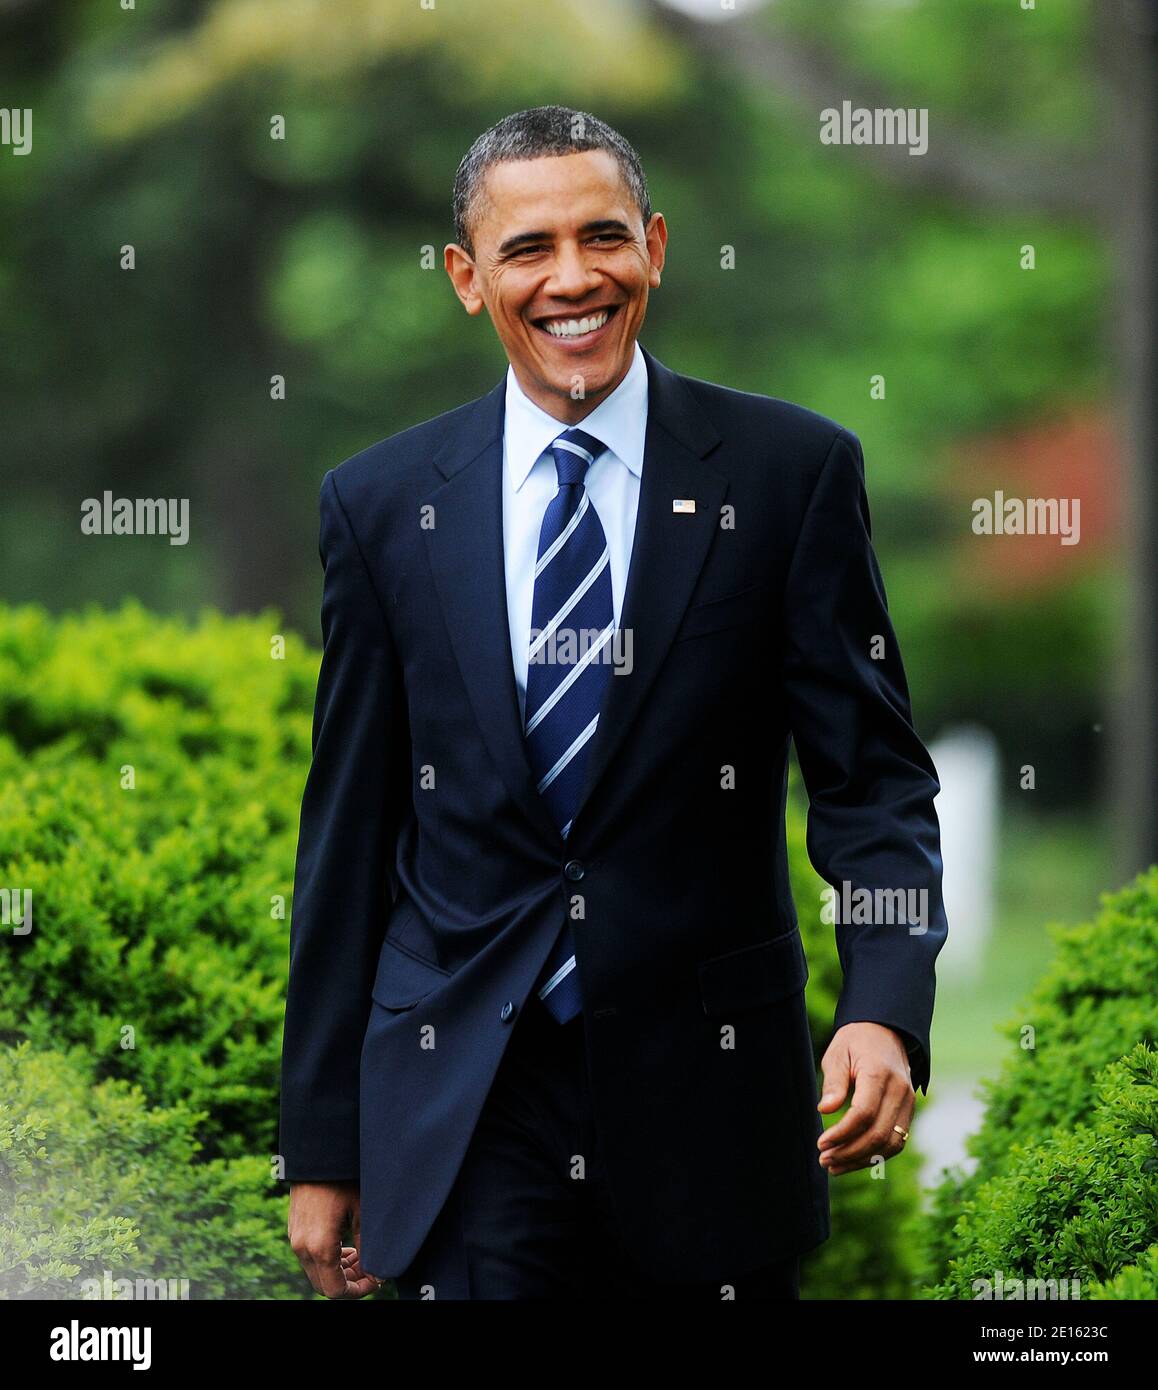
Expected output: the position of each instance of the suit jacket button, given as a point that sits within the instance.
(574, 870)
(507, 1012)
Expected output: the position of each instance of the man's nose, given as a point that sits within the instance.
(572, 274)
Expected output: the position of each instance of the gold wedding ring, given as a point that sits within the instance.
(904, 1133)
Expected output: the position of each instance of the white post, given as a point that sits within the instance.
(968, 808)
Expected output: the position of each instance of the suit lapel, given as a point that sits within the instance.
(668, 553)
(465, 549)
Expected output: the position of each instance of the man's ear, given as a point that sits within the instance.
(463, 276)
(655, 235)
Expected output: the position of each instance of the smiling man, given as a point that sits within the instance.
(545, 1032)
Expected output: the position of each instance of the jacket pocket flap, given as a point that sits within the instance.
(731, 610)
(403, 979)
(753, 975)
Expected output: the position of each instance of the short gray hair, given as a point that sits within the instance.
(536, 133)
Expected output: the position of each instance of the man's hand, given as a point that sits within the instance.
(319, 1214)
(872, 1057)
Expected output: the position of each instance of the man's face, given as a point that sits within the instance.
(563, 265)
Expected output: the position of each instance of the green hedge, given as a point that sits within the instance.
(155, 957)
(97, 1185)
(151, 988)
(1066, 1184)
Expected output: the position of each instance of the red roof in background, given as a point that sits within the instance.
(1078, 457)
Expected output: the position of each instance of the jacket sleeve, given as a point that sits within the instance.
(871, 783)
(344, 862)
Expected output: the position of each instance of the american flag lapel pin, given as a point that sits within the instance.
(683, 504)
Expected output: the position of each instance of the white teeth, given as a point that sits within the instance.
(575, 328)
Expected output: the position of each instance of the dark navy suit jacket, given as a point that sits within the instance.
(431, 882)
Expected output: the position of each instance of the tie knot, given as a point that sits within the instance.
(574, 451)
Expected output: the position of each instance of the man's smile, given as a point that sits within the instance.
(575, 332)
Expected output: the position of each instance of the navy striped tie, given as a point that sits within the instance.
(572, 623)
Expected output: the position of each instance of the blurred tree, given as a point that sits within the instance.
(1025, 146)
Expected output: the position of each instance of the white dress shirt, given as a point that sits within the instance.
(530, 481)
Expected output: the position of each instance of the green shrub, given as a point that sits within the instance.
(157, 954)
(93, 1180)
(1067, 1154)
(1137, 1282)
(1077, 1203)
(158, 951)
(154, 947)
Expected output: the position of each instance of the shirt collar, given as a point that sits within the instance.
(619, 421)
